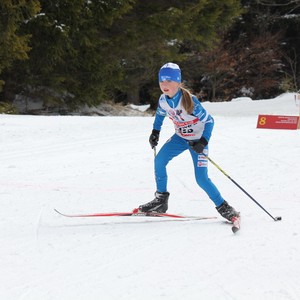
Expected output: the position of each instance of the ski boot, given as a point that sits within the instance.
(227, 212)
(159, 204)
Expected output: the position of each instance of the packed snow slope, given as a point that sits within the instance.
(103, 164)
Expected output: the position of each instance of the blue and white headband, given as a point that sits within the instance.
(170, 72)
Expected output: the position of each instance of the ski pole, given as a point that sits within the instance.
(218, 167)
(154, 151)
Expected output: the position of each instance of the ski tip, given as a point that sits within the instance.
(135, 210)
(57, 211)
(236, 221)
(235, 229)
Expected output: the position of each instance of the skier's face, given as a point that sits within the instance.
(169, 88)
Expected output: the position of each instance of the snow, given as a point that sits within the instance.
(141, 108)
(81, 164)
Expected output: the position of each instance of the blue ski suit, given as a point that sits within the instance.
(188, 127)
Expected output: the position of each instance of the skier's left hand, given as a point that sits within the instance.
(198, 146)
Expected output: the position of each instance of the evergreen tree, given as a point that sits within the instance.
(72, 60)
(273, 20)
(14, 45)
(257, 56)
(83, 52)
(158, 31)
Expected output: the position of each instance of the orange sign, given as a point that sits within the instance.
(277, 122)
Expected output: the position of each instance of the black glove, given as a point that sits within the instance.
(198, 146)
(154, 137)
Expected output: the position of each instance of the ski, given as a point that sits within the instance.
(236, 224)
(134, 213)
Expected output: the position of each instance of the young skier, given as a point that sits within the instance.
(193, 129)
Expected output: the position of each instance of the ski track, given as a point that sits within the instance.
(88, 165)
(194, 269)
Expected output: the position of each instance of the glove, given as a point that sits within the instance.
(198, 146)
(154, 137)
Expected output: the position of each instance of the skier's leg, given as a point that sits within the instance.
(172, 148)
(201, 175)
(200, 165)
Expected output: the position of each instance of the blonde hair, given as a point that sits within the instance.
(187, 101)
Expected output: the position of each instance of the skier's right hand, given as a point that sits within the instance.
(154, 137)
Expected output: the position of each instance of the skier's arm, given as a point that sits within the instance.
(205, 118)
(158, 121)
(208, 122)
(159, 118)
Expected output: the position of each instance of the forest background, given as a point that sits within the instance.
(71, 53)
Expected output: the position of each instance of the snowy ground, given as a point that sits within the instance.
(104, 164)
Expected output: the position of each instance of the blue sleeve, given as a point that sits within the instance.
(159, 118)
(158, 121)
(208, 129)
(204, 117)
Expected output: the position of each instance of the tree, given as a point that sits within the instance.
(72, 59)
(279, 18)
(216, 74)
(83, 52)
(158, 31)
(13, 44)
(254, 58)
(260, 65)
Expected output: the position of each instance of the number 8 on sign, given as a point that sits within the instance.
(262, 121)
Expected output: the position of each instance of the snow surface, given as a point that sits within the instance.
(103, 164)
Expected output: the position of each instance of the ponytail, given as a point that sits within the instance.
(187, 101)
